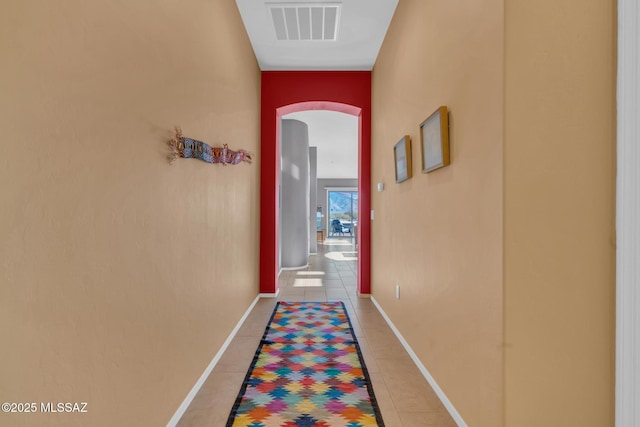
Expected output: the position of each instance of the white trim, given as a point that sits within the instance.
(628, 217)
(302, 267)
(432, 382)
(187, 400)
(270, 295)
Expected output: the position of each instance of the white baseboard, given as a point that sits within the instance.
(192, 394)
(302, 267)
(432, 382)
(270, 295)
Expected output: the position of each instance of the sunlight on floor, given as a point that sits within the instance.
(310, 273)
(307, 283)
(332, 242)
(340, 256)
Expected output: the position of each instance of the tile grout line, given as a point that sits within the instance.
(196, 388)
(359, 310)
(423, 370)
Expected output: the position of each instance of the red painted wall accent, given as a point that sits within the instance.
(284, 92)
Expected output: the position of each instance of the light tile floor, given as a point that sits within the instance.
(404, 396)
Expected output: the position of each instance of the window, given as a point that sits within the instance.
(343, 212)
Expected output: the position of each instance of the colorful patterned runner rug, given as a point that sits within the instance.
(308, 372)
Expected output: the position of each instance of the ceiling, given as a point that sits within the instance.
(330, 35)
(336, 137)
(315, 35)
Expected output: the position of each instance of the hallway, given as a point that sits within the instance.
(404, 396)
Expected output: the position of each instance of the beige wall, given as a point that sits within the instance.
(439, 235)
(559, 212)
(522, 219)
(121, 275)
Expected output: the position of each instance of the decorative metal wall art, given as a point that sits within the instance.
(181, 146)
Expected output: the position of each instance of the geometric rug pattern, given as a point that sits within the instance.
(307, 372)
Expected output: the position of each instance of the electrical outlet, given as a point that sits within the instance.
(397, 291)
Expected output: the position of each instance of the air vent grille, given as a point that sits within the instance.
(305, 21)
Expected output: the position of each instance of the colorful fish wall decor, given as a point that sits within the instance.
(188, 148)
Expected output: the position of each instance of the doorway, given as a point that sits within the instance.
(342, 208)
(285, 92)
(328, 141)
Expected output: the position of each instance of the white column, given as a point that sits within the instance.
(628, 218)
(294, 207)
(313, 199)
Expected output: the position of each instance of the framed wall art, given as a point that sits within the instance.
(434, 138)
(402, 157)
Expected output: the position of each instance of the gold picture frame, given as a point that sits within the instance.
(434, 139)
(402, 158)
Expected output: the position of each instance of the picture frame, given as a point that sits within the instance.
(434, 139)
(402, 159)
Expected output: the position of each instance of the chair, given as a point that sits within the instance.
(336, 226)
(347, 228)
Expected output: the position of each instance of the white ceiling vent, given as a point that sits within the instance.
(305, 21)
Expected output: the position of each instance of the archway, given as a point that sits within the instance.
(288, 92)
